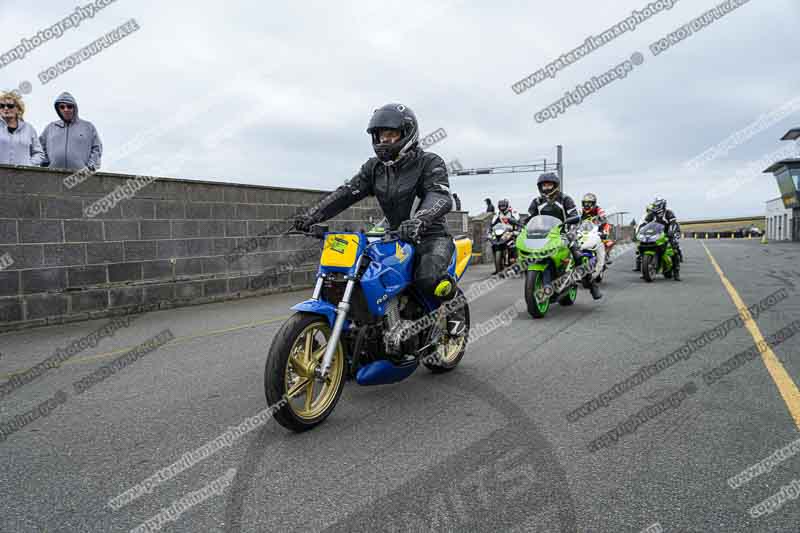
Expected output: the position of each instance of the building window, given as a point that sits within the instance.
(787, 183)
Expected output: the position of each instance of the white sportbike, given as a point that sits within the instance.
(592, 248)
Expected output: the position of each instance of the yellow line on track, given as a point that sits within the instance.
(782, 379)
(177, 340)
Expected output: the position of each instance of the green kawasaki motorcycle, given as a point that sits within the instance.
(548, 265)
(656, 252)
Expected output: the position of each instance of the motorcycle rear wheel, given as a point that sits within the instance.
(569, 296)
(451, 349)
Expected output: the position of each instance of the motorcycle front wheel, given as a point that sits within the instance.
(498, 260)
(290, 373)
(535, 281)
(648, 267)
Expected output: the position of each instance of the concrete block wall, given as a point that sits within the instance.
(172, 244)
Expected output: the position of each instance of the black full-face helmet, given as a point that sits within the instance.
(548, 177)
(397, 117)
(502, 205)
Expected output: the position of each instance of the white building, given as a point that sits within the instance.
(779, 221)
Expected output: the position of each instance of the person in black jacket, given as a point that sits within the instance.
(659, 213)
(401, 172)
(557, 204)
(489, 206)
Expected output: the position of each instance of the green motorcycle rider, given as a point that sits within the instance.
(553, 202)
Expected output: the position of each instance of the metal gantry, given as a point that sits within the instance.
(544, 166)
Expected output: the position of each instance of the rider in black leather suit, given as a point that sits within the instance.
(401, 172)
(557, 204)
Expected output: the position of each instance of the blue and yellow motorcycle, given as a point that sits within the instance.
(364, 321)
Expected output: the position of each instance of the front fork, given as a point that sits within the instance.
(341, 315)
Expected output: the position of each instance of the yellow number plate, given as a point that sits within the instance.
(340, 250)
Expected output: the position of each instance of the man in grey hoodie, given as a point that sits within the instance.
(71, 143)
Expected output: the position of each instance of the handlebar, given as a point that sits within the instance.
(317, 231)
(390, 235)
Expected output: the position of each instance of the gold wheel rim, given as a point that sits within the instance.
(449, 350)
(449, 347)
(309, 396)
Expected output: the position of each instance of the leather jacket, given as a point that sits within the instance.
(669, 221)
(561, 206)
(418, 174)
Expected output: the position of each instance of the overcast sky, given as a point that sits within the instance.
(280, 93)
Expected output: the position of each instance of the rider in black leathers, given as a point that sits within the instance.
(659, 213)
(401, 172)
(557, 204)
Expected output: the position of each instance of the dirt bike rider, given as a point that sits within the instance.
(557, 204)
(400, 172)
(659, 213)
(592, 211)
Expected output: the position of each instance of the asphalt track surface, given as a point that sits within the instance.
(486, 447)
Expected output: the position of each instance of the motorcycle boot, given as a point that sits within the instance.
(638, 267)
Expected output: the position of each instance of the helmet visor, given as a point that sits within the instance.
(385, 118)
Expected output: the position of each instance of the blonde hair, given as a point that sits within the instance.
(14, 95)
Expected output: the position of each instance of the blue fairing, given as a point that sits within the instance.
(319, 307)
(387, 275)
(383, 372)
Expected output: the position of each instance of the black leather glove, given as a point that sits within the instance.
(411, 230)
(304, 222)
